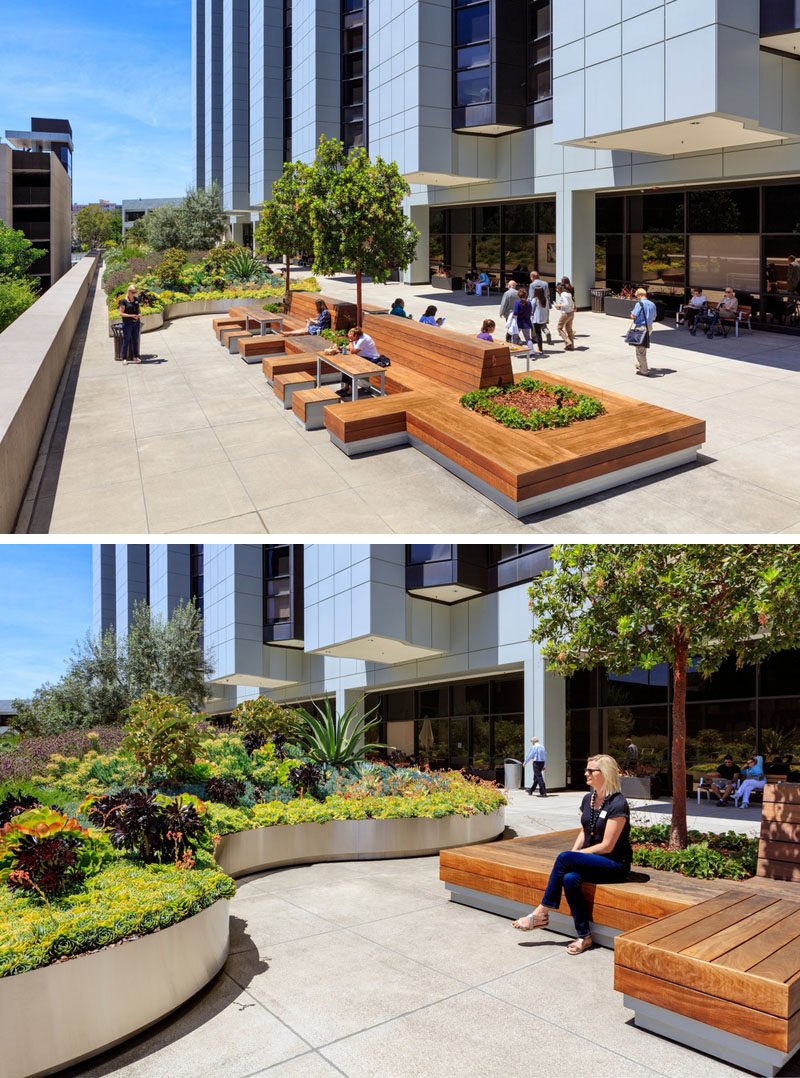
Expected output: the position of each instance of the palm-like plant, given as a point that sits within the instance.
(242, 266)
(338, 741)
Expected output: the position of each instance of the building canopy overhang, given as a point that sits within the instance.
(37, 140)
(692, 135)
(379, 649)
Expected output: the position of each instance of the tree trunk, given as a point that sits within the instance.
(286, 296)
(678, 839)
(358, 297)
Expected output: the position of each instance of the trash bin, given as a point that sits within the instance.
(598, 296)
(512, 773)
(116, 329)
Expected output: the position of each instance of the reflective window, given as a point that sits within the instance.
(419, 553)
(196, 574)
(540, 79)
(656, 213)
(472, 24)
(353, 74)
(725, 261)
(518, 217)
(658, 259)
(473, 87)
(729, 683)
(472, 84)
(782, 208)
(732, 210)
(609, 214)
(780, 676)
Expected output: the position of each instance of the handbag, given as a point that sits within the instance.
(636, 335)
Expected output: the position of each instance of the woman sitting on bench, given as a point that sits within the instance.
(323, 321)
(601, 854)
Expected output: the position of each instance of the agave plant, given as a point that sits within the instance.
(242, 266)
(337, 740)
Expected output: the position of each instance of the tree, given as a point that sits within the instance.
(107, 672)
(639, 605)
(163, 227)
(355, 207)
(114, 226)
(137, 232)
(17, 294)
(93, 226)
(17, 253)
(202, 218)
(285, 228)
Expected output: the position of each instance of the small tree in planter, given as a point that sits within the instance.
(640, 605)
(355, 207)
(285, 227)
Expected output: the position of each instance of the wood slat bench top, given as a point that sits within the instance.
(731, 962)
(291, 378)
(261, 346)
(303, 399)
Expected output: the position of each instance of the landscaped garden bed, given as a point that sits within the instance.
(729, 856)
(530, 404)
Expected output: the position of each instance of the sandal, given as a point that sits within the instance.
(580, 945)
(531, 921)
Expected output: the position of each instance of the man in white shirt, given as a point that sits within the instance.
(538, 756)
(565, 303)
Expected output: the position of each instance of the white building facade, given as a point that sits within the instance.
(437, 638)
(650, 142)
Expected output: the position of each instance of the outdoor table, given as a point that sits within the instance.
(353, 367)
(264, 320)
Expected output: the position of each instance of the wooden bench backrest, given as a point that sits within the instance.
(304, 305)
(455, 360)
(779, 844)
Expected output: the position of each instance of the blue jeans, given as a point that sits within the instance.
(569, 872)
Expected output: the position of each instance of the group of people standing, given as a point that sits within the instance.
(526, 312)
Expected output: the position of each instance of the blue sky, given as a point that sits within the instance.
(121, 76)
(45, 608)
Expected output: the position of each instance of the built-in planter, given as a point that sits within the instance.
(63, 1013)
(193, 307)
(451, 284)
(352, 840)
(621, 308)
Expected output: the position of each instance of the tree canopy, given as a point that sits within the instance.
(285, 227)
(17, 253)
(95, 226)
(625, 606)
(194, 224)
(105, 673)
(355, 207)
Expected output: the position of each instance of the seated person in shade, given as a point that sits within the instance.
(487, 329)
(696, 306)
(470, 280)
(776, 766)
(725, 313)
(322, 321)
(429, 318)
(724, 782)
(399, 308)
(482, 284)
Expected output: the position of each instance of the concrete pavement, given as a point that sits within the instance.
(366, 969)
(194, 440)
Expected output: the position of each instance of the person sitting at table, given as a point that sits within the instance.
(322, 321)
(697, 306)
(361, 344)
(399, 308)
(486, 330)
(429, 318)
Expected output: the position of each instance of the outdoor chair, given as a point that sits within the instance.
(703, 786)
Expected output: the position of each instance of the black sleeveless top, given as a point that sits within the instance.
(128, 306)
(611, 807)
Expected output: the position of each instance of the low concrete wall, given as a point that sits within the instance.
(352, 840)
(94, 1001)
(190, 307)
(33, 351)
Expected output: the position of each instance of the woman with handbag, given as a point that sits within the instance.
(643, 315)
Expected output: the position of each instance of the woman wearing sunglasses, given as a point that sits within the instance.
(601, 853)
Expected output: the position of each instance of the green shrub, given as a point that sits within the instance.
(47, 853)
(162, 734)
(17, 294)
(121, 900)
(338, 740)
(169, 269)
(728, 856)
(243, 266)
(263, 716)
(497, 403)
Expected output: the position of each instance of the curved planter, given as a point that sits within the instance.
(193, 307)
(351, 840)
(94, 1001)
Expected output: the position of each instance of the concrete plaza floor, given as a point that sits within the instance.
(193, 440)
(366, 969)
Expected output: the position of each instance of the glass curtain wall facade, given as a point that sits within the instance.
(506, 240)
(740, 711)
(540, 63)
(737, 236)
(464, 724)
(287, 80)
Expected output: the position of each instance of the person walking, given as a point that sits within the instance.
(601, 853)
(643, 314)
(631, 757)
(507, 309)
(130, 311)
(565, 302)
(538, 757)
(522, 315)
(541, 314)
(537, 282)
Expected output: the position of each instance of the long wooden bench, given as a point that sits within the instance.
(522, 471)
(303, 308)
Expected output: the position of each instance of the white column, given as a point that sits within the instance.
(575, 233)
(545, 716)
(419, 272)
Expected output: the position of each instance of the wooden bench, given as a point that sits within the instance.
(779, 844)
(722, 976)
(229, 338)
(297, 357)
(252, 349)
(308, 405)
(227, 323)
(303, 308)
(286, 385)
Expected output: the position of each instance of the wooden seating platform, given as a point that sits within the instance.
(286, 385)
(779, 844)
(522, 471)
(308, 405)
(722, 976)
